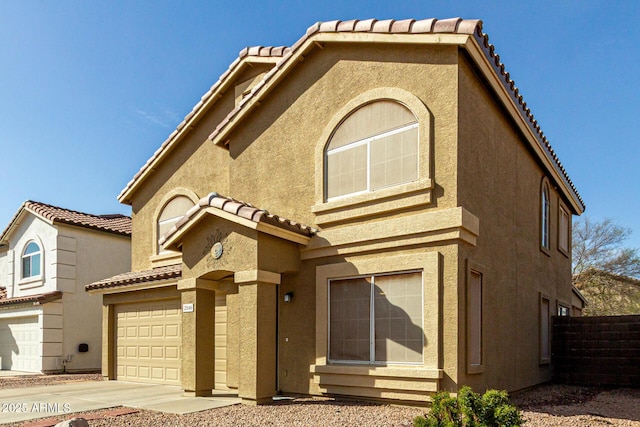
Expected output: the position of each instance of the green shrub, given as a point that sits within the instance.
(469, 409)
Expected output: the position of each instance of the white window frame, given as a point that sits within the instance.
(372, 320)
(30, 256)
(367, 142)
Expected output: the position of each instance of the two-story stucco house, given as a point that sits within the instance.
(48, 323)
(370, 212)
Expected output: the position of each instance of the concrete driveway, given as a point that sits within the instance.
(21, 404)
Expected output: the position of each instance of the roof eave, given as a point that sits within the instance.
(17, 220)
(127, 287)
(304, 47)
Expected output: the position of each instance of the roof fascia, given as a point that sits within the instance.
(17, 220)
(199, 110)
(134, 287)
(481, 60)
(173, 242)
(88, 229)
(317, 40)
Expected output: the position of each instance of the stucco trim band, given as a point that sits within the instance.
(427, 227)
(254, 276)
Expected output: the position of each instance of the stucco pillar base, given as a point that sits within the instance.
(256, 402)
(197, 393)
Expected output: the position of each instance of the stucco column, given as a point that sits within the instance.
(198, 332)
(108, 342)
(257, 297)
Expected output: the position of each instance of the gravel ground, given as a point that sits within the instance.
(542, 406)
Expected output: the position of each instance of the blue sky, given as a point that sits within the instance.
(90, 89)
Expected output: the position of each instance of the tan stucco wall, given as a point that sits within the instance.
(274, 164)
(196, 165)
(500, 182)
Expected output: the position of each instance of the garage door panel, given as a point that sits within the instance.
(20, 344)
(172, 374)
(153, 334)
(172, 331)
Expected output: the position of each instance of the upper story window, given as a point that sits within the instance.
(175, 209)
(375, 147)
(545, 217)
(564, 226)
(31, 261)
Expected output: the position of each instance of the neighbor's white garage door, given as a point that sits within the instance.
(148, 342)
(19, 343)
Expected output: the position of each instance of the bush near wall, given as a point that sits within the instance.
(596, 351)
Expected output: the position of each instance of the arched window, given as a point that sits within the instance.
(175, 209)
(375, 147)
(544, 217)
(31, 261)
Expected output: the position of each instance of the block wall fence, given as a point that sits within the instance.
(596, 351)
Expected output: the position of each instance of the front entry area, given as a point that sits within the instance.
(149, 342)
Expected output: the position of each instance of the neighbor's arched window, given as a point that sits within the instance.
(375, 147)
(175, 209)
(31, 261)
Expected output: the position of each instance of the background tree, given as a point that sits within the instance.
(604, 269)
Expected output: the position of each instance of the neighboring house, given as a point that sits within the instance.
(436, 243)
(47, 255)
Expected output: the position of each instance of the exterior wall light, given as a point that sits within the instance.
(288, 297)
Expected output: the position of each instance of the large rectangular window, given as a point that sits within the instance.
(376, 319)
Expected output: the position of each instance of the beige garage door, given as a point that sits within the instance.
(19, 344)
(220, 358)
(148, 342)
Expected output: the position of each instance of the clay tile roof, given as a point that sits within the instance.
(37, 299)
(111, 223)
(242, 210)
(3, 292)
(158, 274)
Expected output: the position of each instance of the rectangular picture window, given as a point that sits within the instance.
(376, 319)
